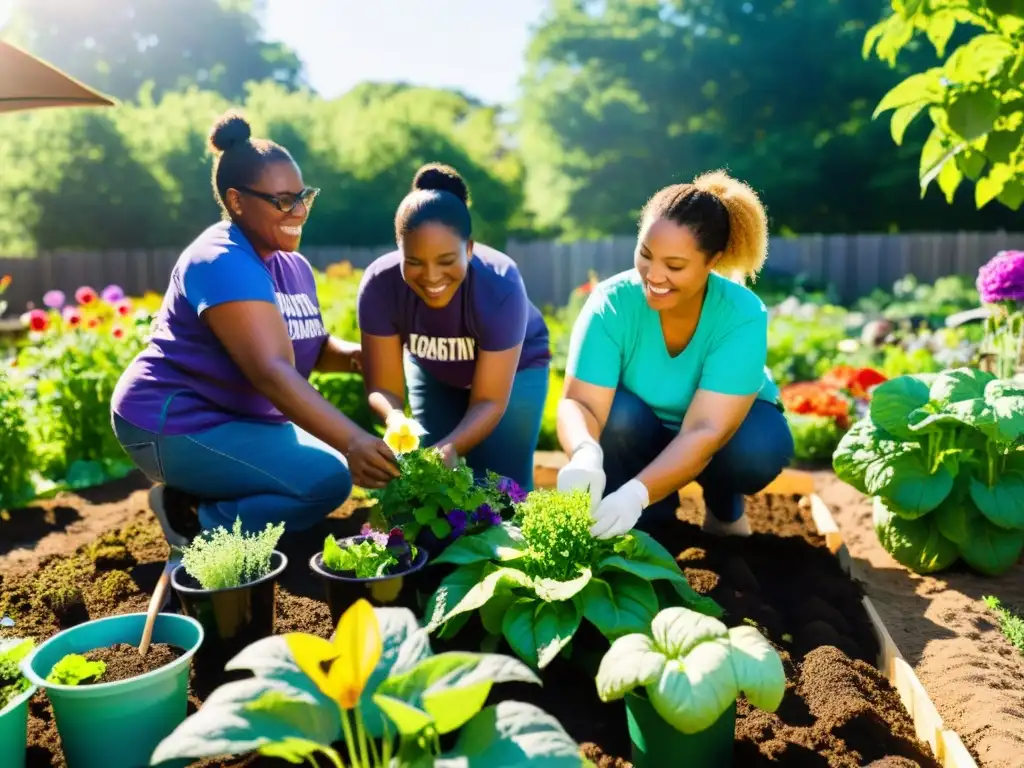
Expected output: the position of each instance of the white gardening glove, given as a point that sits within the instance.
(619, 511)
(585, 470)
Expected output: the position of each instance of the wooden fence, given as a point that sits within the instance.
(853, 264)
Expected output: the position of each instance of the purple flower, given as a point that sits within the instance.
(458, 518)
(396, 539)
(486, 515)
(1002, 278)
(112, 294)
(377, 537)
(54, 299)
(511, 488)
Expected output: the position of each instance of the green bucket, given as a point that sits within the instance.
(656, 744)
(14, 730)
(119, 724)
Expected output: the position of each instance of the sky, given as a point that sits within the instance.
(476, 46)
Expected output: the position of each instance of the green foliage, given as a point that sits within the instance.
(12, 682)
(280, 711)
(975, 99)
(943, 455)
(693, 669)
(1011, 624)
(16, 478)
(537, 589)
(379, 554)
(75, 669)
(220, 559)
(815, 437)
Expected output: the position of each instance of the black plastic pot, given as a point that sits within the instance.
(232, 618)
(343, 589)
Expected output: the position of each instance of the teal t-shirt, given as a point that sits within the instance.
(617, 341)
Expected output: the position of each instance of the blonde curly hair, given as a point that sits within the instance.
(726, 216)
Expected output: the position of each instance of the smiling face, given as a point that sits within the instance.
(434, 262)
(269, 228)
(673, 268)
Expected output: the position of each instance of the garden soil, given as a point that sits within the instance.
(972, 673)
(75, 557)
(125, 662)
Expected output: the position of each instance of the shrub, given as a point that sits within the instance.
(222, 559)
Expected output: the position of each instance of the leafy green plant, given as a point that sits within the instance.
(942, 455)
(15, 446)
(815, 438)
(974, 100)
(692, 669)
(75, 669)
(1011, 625)
(220, 559)
(535, 582)
(377, 554)
(380, 672)
(12, 682)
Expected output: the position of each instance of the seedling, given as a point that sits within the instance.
(12, 682)
(379, 554)
(75, 669)
(1011, 624)
(223, 560)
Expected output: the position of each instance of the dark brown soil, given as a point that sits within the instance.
(838, 710)
(125, 662)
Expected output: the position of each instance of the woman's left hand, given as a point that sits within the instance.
(618, 512)
(449, 456)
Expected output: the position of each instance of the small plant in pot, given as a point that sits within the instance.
(680, 680)
(374, 566)
(227, 581)
(15, 691)
(108, 699)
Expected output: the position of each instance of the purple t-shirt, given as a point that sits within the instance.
(490, 311)
(184, 381)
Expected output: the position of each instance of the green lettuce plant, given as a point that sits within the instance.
(12, 682)
(75, 669)
(304, 691)
(536, 579)
(692, 669)
(942, 456)
(222, 559)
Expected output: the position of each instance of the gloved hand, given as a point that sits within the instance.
(584, 470)
(619, 511)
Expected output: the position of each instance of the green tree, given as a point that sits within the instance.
(975, 99)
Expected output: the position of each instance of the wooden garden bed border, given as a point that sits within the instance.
(946, 745)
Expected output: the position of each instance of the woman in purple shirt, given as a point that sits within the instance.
(218, 409)
(450, 319)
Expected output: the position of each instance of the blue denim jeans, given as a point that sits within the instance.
(262, 473)
(509, 449)
(755, 455)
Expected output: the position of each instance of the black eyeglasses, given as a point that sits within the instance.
(287, 201)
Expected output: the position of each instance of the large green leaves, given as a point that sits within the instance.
(760, 675)
(632, 662)
(893, 401)
(620, 604)
(989, 549)
(916, 544)
(1003, 502)
(498, 543)
(538, 631)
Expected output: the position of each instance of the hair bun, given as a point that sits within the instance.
(230, 129)
(442, 178)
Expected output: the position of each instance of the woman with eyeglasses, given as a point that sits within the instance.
(449, 318)
(217, 409)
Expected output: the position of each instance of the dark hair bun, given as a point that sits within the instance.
(230, 129)
(442, 178)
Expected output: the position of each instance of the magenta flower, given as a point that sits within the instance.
(112, 294)
(54, 299)
(1002, 278)
(511, 488)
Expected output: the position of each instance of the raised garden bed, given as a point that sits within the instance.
(839, 710)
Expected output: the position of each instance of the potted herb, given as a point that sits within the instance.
(377, 692)
(680, 680)
(122, 711)
(372, 565)
(227, 581)
(535, 580)
(15, 691)
(941, 455)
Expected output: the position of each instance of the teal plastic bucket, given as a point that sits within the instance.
(14, 730)
(119, 724)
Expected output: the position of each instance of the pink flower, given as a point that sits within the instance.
(72, 317)
(54, 299)
(1002, 278)
(124, 307)
(112, 294)
(85, 295)
(38, 320)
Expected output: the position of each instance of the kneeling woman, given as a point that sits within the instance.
(217, 409)
(475, 353)
(666, 380)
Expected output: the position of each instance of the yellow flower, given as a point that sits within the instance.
(401, 439)
(341, 669)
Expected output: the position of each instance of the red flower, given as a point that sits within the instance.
(124, 307)
(117, 332)
(93, 323)
(4, 282)
(38, 320)
(72, 317)
(857, 381)
(85, 295)
(812, 397)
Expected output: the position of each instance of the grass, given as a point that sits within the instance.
(1011, 624)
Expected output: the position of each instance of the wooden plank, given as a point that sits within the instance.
(825, 523)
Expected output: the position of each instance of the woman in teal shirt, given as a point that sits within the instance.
(666, 380)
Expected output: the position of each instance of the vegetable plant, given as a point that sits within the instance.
(692, 669)
(942, 455)
(75, 669)
(12, 682)
(378, 554)
(535, 581)
(222, 559)
(378, 687)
